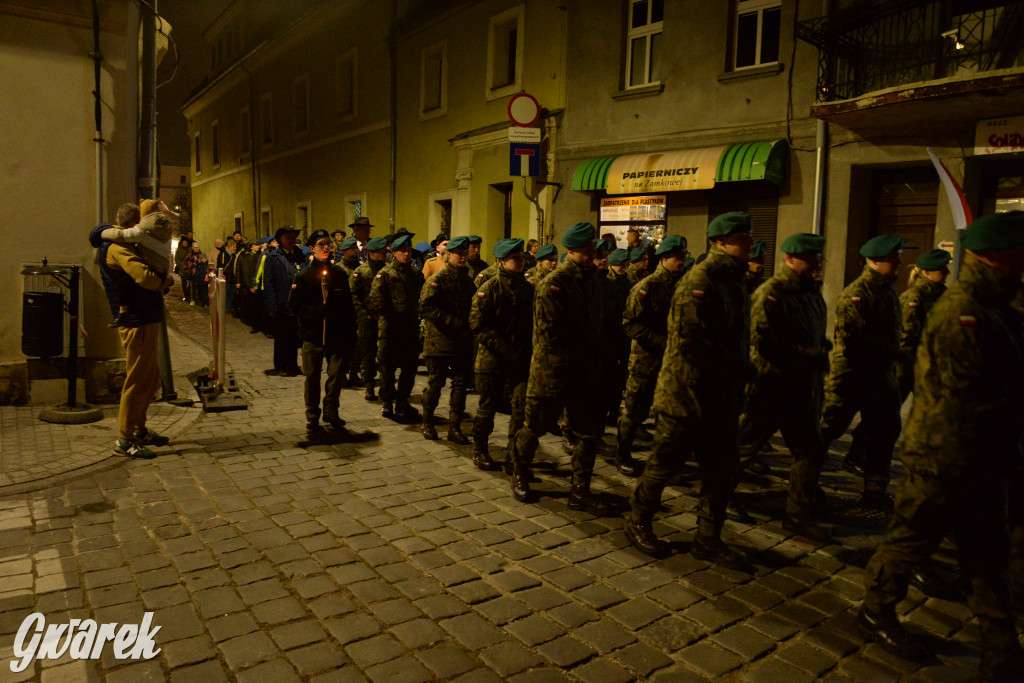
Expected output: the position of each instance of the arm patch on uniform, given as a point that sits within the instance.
(968, 321)
(355, 274)
(480, 295)
(480, 276)
(771, 299)
(855, 299)
(295, 286)
(642, 292)
(553, 289)
(912, 304)
(433, 284)
(697, 293)
(377, 277)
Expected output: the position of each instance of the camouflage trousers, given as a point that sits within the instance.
(615, 384)
(768, 412)
(440, 368)
(974, 509)
(712, 440)
(541, 413)
(313, 356)
(861, 445)
(491, 387)
(398, 360)
(636, 406)
(364, 354)
(878, 403)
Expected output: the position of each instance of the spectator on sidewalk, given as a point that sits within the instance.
(132, 285)
(188, 273)
(361, 231)
(279, 269)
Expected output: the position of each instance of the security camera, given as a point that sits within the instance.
(951, 33)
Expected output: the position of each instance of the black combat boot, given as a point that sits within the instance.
(455, 434)
(368, 394)
(580, 498)
(429, 433)
(803, 525)
(714, 550)
(387, 411)
(625, 463)
(887, 631)
(334, 421)
(520, 479)
(641, 535)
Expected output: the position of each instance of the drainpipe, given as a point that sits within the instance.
(147, 123)
(97, 59)
(253, 161)
(820, 159)
(392, 59)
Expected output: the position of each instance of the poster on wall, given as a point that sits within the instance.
(646, 214)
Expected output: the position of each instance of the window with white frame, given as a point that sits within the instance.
(215, 144)
(434, 80)
(196, 140)
(505, 53)
(244, 132)
(644, 42)
(755, 36)
(267, 119)
(346, 79)
(300, 105)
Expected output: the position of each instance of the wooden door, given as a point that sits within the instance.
(905, 202)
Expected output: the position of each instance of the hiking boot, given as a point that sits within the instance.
(148, 437)
(132, 450)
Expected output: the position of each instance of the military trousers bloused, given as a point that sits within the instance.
(769, 411)
(491, 387)
(440, 368)
(541, 413)
(141, 379)
(399, 358)
(973, 507)
(712, 439)
(877, 399)
(364, 357)
(313, 356)
(636, 405)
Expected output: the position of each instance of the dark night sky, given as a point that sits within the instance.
(189, 18)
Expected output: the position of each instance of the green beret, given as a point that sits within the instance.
(460, 242)
(758, 250)
(730, 224)
(508, 247)
(618, 257)
(670, 244)
(689, 263)
(995, 232)
(604, 246)
(881, 246)
(348, 244)
(636, 253)
(475, 239)
(803, 243)
(579, 235)
(562, 257)
(548, 250)
(376, 244)
(401, 241)
(933, 260)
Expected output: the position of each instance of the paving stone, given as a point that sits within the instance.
(400, 670)
(316, 658)
(217, 602)
(709, 660)
(382, 648)
(512, 581)
(637, 612)
(808, 659)
(395, 611)
(418, 633)
(244, 651)
(188, 651)
(238, 624)
(475, 591)
(599, 596)
(503, 610)
(716, 613)
(276, 671)
(508, 658)
(642, 658)
(352, 628)
(566, 651)
(298, 633)
(603, 670)
(177, 623)
(278, 611)
(744, 641)
(207, 672)
(440, 606)
(772, 670)
(446, 662)
(472, 631)
(604, 635)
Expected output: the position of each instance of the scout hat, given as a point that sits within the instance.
(460, 242)
(670, 244)
(803, 243)
(548, 250)
(474, 239)
(348, 243)
(399, 242)
(508, 247)
(618, 257)
(730, 224)
(376, 244)
(636, 253)
(361, 222)
(881, 246)
(579, 235)
(758, 250)
(317, 235)
(933, 260)
(995, 232)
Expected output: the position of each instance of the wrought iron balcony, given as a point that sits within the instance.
(900, 42)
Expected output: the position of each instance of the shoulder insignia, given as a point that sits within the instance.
(698, 293)
(295, 286)
(770, 298)
(355, 274)
(642, 292)
(968, 321)
(378, 276)
(480, 295)
(480, 276)
(433, 284)
(855, 299)
(553, 289)
(912, 304)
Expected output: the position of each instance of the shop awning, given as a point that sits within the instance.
(688, 169)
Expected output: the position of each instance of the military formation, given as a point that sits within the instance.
(724, 359)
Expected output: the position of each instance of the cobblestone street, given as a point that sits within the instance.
(265, 557)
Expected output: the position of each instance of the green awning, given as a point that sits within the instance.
(592, 174)
(765, 160)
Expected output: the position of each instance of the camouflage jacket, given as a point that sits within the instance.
(349, 264)
(707, 359)
(444, 305)
(867, 329)
(753, 280)
(361, 282)
(788, 343)
(529, 261)
(617, 292)
(645, 320)
(915, 304)
(635, 274)
(395, 298)
(485, 275)
(566, 332)
(476, 266)
(535, 275)
(502, 320)
(968, 380)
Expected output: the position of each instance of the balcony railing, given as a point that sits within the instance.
(899, 42)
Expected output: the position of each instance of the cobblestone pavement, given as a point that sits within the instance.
(267, 558)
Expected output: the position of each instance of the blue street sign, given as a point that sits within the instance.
(524, 159)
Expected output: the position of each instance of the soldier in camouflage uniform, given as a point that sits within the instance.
(618, 357)
(348, 258)
(447, 340)
(475, 264)
(645, 322)
(395, 297)
(367, 328)
(862, 374)
(502, 320)
(789, 350)
(547, 261)
(566, 347)
(700, 392)
(755, 269)
(916, 302)
(637, 269)
(961, 447)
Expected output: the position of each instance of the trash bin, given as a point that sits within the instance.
(42, 324)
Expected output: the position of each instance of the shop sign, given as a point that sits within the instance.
(999, 136)
(692, 169)
(633, 209)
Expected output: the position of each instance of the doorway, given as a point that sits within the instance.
(500, 208)
(904, 201)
